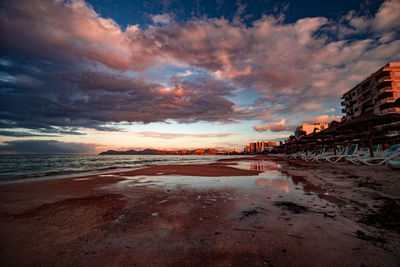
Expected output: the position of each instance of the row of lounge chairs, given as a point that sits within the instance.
(353, 154)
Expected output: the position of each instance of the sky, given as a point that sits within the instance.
(87, 76)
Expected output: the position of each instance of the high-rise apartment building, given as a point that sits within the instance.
(309, 128)
(377, 94)
(260, 146)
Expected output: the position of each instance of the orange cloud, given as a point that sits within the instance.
(322, 118)
(278, 126)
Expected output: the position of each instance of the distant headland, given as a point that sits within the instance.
(208, 151)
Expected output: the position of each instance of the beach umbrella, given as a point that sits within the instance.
(365, 123)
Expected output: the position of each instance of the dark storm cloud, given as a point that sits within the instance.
(21, 134)
(45, 147)
(88, 99)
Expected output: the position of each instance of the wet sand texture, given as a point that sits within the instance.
(301, 214)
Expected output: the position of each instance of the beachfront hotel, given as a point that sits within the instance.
(262, 146)
(306, 129)
(378, 94)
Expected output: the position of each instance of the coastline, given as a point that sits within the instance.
(64, 166)
(98, 220)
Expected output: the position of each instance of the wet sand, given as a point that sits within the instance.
(257, 211)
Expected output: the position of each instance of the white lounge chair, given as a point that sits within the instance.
(294, 155)
(313, 156)
(341, 151)
(363, 154)
(349, 153)
(298, 155)
(323, 155)
(307, 155)
(394, 164)
(387, 155)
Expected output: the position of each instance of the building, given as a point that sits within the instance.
(260, 146)
(253, 147)
(378, 94)
(306, 129)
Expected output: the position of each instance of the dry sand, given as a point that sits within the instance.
(301, 214)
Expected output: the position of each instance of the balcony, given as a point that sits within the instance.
(384, 95)
(366, 91)
(385, 89)
(369, 110)
(384, 84)
(390, 110)
(383, 79)
(386, 100)
(365, 100)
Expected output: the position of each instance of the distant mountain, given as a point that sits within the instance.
(208, 151)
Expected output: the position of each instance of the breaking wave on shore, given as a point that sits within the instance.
(15, 167)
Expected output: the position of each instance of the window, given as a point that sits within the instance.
(397, 73)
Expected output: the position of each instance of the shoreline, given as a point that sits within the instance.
(329, 215)
(31, 177)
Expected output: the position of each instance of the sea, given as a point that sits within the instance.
(18, 168)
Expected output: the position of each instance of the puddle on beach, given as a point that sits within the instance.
(271, 183)
(259, 165)
(107, 175)
(82, 179)
(184, 206)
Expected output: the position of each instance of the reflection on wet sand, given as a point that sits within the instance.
(164, 217)
(262, 165)
(278, 184)
(272, 181)
(316, 189)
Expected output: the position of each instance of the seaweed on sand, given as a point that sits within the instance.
(292, 207)
(252, 212)
(386, 217)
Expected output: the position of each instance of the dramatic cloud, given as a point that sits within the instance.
(388, 17)
(65, 67)
(21, 134)
(85, 36)
(45, 147)
(281, 126)
(278, 126)
(97, 98)
(322, 118)
(259, 128)
(162, 135)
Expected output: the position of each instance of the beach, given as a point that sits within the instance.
(249, 211)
